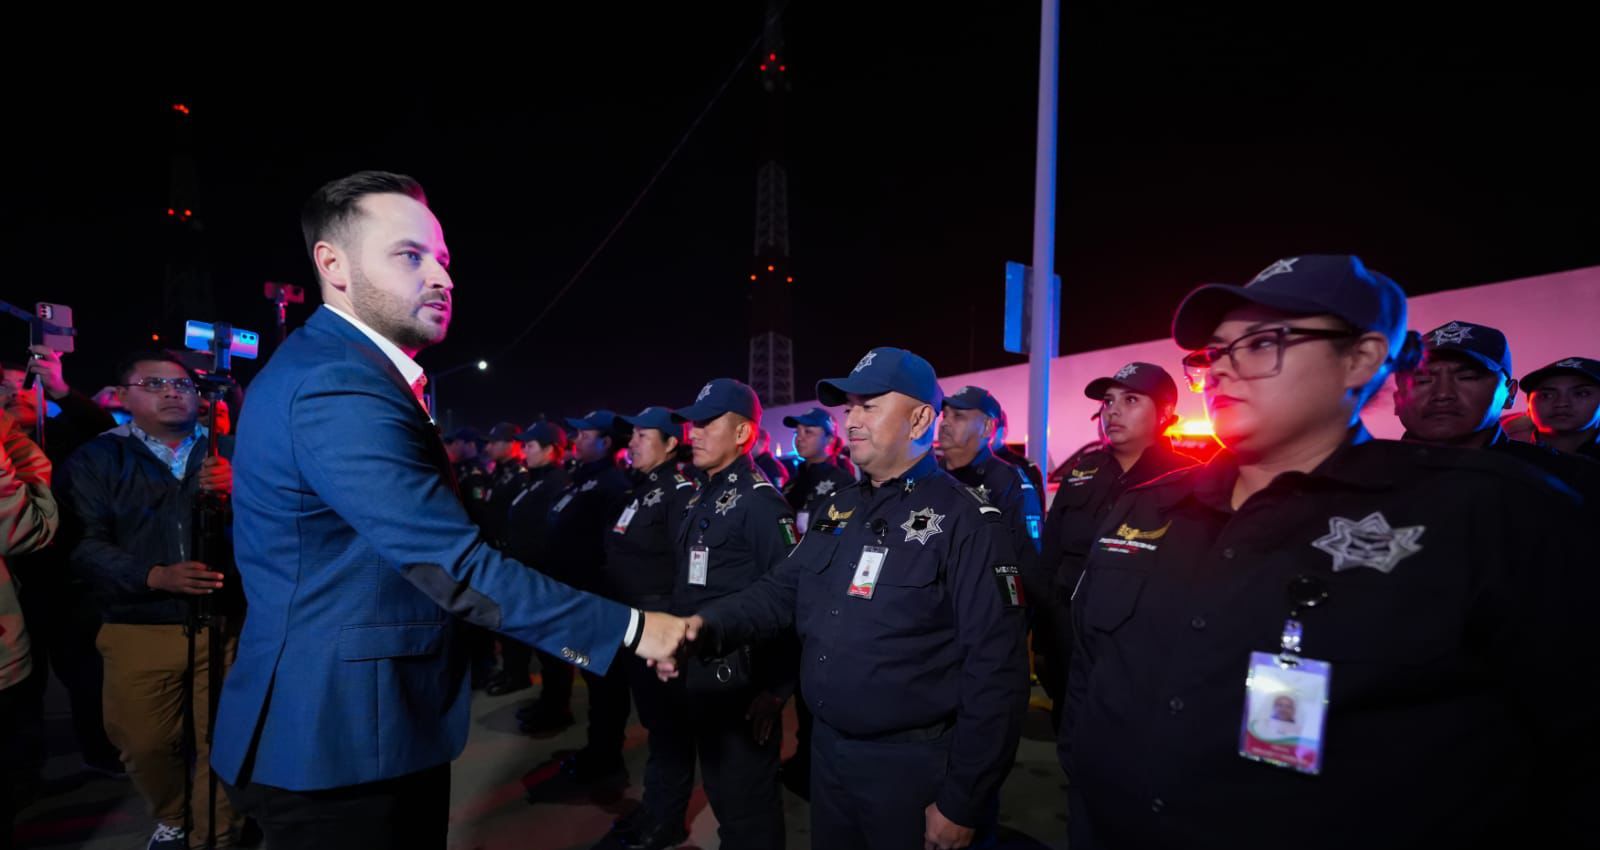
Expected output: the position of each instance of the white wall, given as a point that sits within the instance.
(1545, 318)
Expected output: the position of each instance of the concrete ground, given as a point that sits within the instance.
(491, 807)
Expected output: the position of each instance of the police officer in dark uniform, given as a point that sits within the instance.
(1137, 406)
(1318, 639)
(726, 707)
(575, 555)
(544, 447)
(1564, 402)
(820, 474)
(1004, 451)
(907, 601)
(503, 447)
(770, 466)
(465, 448)
(642, 566)
(1455, 397)
(966, 426)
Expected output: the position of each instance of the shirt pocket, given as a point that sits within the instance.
(1110, 598)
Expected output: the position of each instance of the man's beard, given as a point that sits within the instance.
(391, 315)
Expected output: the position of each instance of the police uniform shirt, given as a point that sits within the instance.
(579, 520)
(1008, 488)
(940, 641)
(745, 525)
(1452, 721)
(641, 556)
(509, 478)
(1090, 484)
(1574, 470)
(472, 483)
(812, 484)
(528, 523)
(747, 530)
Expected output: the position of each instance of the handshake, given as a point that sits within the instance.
(664, 640)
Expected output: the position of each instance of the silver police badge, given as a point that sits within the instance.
(1369, 543)
(726, 501)
(1127, 371)
(865, 362)
(983, 492)
(1454, 333)
(652, 498)
(922, 525)
(1277, 268)
(823, 488)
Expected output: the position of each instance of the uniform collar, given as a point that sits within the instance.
(742, 466)
(593, 468)
(909, 479)
(983, 457)
(1348, 464)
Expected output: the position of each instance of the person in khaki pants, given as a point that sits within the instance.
(132, 492)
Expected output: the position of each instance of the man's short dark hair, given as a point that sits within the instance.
(150, 355)
(330, 210)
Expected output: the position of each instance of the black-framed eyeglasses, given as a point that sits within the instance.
(159, 385)
(1258, 354)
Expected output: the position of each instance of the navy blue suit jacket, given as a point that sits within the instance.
(358, 559)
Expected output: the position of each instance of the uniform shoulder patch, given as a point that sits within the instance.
(786, 527)
(679, 482)
(1008, 577)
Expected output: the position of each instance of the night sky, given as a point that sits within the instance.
(1445, 151)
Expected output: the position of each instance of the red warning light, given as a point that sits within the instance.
(772, 268)
(752, 277)
(789, 280)
(179, 107)
(155, 337)
(782, 68)
(772, 57)
(763, 67)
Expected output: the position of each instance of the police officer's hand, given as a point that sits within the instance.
(186, 577)
(47, 365)
(663, 636)
(216, 474)
(942, 833)
(763, 715)
(667, 669)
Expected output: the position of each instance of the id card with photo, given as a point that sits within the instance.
(1285, 708)
(627, 516)
(865, 579)
(699, 565)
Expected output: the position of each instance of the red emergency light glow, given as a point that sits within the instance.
(763, 67)
(782, 68)
(772, 57)
(155, 337)
(1191, 428)
(789, 280)
(752, 277)
(179, 107)
(772, 268)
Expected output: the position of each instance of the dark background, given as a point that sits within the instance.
(1446, 148)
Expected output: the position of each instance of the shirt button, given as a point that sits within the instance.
(834, 612)
(1228, 553)
(1198, 624)
(1176, 704)
(1157, 805)
(822, 658)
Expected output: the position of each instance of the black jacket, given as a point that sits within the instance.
(128, 514)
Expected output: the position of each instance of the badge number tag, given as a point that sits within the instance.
(1285, 707)
(802, 521)
(699, 565)
(865, 580)
(627, 516)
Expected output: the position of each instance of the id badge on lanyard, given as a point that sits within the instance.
(627, 516)
(699, 564)
(1286, 694)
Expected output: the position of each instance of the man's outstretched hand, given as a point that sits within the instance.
(664, 638)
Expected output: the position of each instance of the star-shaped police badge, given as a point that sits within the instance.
(1570, 363)
(823, 488)
(726, 501)
(983, 492)
(652, 498)
(1280, 267)
(1126, 371)
(1454, 333)
(1369, 543)
(865, 362)
(922, 525)
(704, 391)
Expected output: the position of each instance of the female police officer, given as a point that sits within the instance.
(1410, 601)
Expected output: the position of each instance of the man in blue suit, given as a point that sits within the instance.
(350, 697)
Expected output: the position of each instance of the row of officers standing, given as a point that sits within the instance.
(1315, 638)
